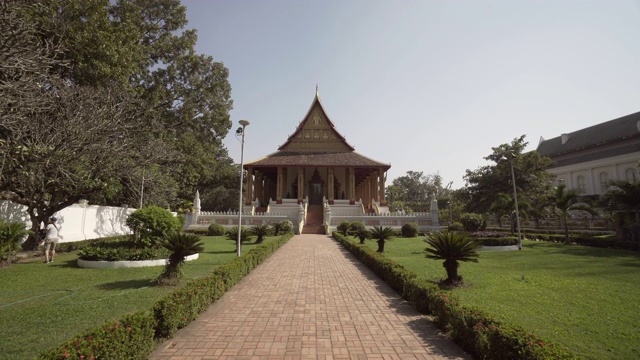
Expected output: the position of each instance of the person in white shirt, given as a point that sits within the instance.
(51, 239)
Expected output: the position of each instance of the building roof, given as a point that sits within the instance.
(316, 142)
(335, 159)
(607, 132)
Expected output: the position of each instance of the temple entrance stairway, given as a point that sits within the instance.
(314, 220)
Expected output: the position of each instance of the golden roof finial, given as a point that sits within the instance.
(317, 94)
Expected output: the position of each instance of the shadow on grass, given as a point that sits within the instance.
(222, 252)
(127, 284)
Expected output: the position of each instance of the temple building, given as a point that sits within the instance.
(316, 163)
(316, 180)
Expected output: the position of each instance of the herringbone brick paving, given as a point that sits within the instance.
(310, 300)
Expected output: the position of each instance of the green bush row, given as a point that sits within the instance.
(96, 253)
(587, 240)
(476, 333)
(134, 336)
(79, 245)
(503, 241)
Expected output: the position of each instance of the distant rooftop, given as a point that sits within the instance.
(607, 132)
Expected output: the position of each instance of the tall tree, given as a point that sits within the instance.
(414, 191)
(484, 184)
(143, 45)
(61, 141)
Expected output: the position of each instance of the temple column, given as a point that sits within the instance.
(300, 185)
(367, 191)
(259, 188)
(351, 189)
(383, 200)
(373, 188)
(248, 199)
(331, 189)
(279, 185)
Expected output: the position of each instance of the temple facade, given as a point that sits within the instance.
(316, 180)
(316, 163)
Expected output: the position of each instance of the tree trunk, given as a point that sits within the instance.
(33, 241)
(259, 240)
(362, 240)
(452, 270)
(380, 246)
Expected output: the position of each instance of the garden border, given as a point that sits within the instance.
(478, 334)
(135, 336)
(101, 264)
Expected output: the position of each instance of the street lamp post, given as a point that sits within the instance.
(240, 131)
(515, 200)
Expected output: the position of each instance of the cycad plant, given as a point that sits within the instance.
(260, 231)
(452, 247)
(245, 235)
(381, 235)
(180, 245)
(358, 230)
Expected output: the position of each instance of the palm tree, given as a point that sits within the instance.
(381, 234)
(569, 200)
(260, 231)
(452, 247)
(623, 195)
(181, 245)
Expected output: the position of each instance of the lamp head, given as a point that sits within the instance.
(244, 122)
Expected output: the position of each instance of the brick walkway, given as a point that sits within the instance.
(310, 300)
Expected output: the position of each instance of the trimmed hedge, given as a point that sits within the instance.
(134, 336)
(587, 240)
(79, 245)
(129, 338)
(476, 333)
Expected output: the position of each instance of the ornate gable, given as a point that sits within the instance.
(316, 133)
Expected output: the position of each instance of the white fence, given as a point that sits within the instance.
(78, 221)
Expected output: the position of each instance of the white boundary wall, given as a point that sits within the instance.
(78, 221)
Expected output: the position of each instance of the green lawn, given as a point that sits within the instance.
(42, 305)
(585, 299)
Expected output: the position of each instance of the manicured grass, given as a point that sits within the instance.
(43, 305)
(584, 299)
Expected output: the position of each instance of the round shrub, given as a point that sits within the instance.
(409, 229)
(151, 223)
(286, 227)
(215, 230)
(473, 222)
(356, 226)
(455, 226)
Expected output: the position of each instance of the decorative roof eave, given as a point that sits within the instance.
(306, 118)
(320, 159)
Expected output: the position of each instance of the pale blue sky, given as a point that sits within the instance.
(424, 85)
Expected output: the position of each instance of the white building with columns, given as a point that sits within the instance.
(588, 158)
